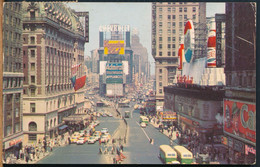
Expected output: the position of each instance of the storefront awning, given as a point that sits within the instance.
(63, 127)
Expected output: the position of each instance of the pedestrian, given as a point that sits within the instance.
(99, 141)
(27, 157)
(121, 147)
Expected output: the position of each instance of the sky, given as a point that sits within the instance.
(137, 15)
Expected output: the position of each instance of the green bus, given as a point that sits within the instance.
(144, 119)
(184, 155)
(167, 154)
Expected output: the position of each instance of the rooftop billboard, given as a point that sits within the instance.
(114, 47)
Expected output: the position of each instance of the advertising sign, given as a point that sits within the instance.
(211, 53)
(224, 140)
(114, 47)
(249, 149)
(189, 41)
(240, 119)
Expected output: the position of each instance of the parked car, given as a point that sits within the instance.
(74, 139)
(91, 140)
(81, 140)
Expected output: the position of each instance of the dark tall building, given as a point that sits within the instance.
(240, 103)
(12, 79)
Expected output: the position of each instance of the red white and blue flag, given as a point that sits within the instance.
(74, 69)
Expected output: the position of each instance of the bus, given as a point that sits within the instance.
(127, 114)
(184, 156)
(144, 119)
(167, 154)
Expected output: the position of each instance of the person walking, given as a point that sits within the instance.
(122, 148)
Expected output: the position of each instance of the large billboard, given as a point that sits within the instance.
(189, 41)
(240, 119)
(114, 47)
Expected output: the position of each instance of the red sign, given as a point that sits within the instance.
(14, 142)
(249, 149)
(240, 119)
(184, 79)
(186, 120)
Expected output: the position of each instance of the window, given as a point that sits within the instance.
(32, 79)
(17, 113)
(160, 90)
(169, 24)
(169, 39)
(160, 31)
(173, 39)
(33, 66)
(169, 45)
(160, 78)
(160, 38)
(174, 10)
(169, 53)
(32, 126)
(173, 17)
(169, 9)
(160, 9)
(169, 31)
(160, 17)
(16, 127)
(32, 137)
(32, 106)
(160, 53)
(169, 17)
(160, 24)
(160, 71)
(185, 17)
(194, 9)
(180, 24)
(160, 83)
(32, 40)
(160, 46)
(173, 31)
(173, 46)
(185, 9)
(194, 17)
(173, 53)
(173, 24)
(32, 92)
(180, 17)
(180, 9)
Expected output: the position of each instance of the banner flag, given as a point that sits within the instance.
(73, 80)
(80, 82)
(75, 68)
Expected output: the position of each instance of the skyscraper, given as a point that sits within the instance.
(168, 22)
(12, 78)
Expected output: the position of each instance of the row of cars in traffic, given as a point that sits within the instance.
(103, 114)
(90, 135)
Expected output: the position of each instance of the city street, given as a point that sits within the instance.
(137, 150)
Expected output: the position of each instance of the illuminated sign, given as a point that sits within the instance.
(180, 55)
(112, 28)
(189, 41)
(211, 54)
(114, 47)
(249, 149)
(240, 119)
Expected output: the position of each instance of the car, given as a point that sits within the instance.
(81, 140)
(81, 133)
(104, 130)
(74, 139)
(96, 123)
(97, 132)
(104, 114)
(143, 125)
(91, 140)
(104, 139)
(97, 136)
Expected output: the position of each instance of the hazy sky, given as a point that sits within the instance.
(137, 15)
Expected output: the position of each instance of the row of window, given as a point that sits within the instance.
(169, 46)
(168, 53)
(12, 21)
(9, 130)
(13, 6)
(181, 9)
(169, 39)
(15, 37)
(10, 82)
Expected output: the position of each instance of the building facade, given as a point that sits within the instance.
(240, 69)
(116, 68)
(53, 41)
(168, 22)
(12, 79)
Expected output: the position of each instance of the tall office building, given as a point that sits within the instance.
(168, 22)
(53, 42)
(12, 78)
(240, 69)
